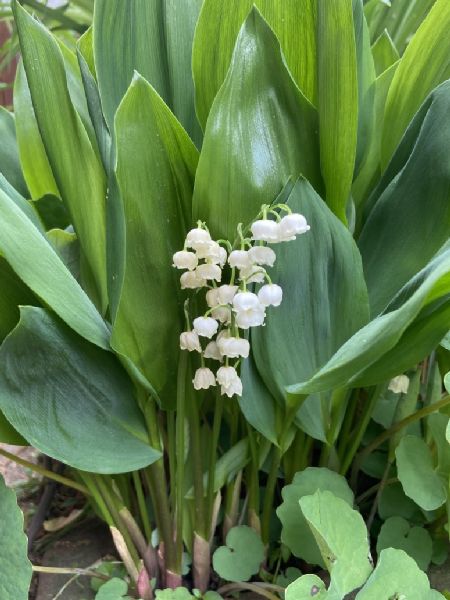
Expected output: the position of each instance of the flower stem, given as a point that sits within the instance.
(212, 459)
(270, 493)
(179, 450)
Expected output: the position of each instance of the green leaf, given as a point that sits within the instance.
(180, 593)
(305, 588)
(355, 363)
(261, 130)
(410, 219)
(394, 503)
(396, 532)
(324, 300)
(295, 532)
(15, 568)
(337, 100)
(157, 207)
(8, 435)
(294, 23)
(115, 589)
(24, 205)
(9, 154)
(75, 163)
(70, 399)
(424, 65)
(384, 52)
(33, 158)
(153, 38)
(341, 535)
(242, 555)
(14, 292)
(417, 475)
(50, 280)
(68, 249)
(256, 403)
(438, 424)
(397, 576)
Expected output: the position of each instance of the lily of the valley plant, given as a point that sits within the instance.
(225, 291)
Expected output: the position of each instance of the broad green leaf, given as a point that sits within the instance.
(324, 298)
(75, 164)
(397, 576)
(261, 130)
(153, 38)
(50, 280)
(384, 52)
(115, 589)
(438, 424)
(411, 218)
(425, 64)
(353, 363)
(33, 157)
(294, 23)
(337, 100)
(15, 568)
(9, 154)
(417, 474)
(295, 532)
(394, 503)
(69, 398)
(242, 555)
(256, 403)
(157, 207)
(67, 248)
(341, 535)
(179, 593)
(396, 532)
(305, 588)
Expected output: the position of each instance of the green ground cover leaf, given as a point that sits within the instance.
(157, 210)
(396, 532)
(115, 589)
(15, 568)
(295, 532)
(242, 555)
(305, 588)
(341, 535)
(417, 474)
(261, 130)
(69, 398)
(397, 575)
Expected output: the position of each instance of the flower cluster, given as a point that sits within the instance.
(231, 306)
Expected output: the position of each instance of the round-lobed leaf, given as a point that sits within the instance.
(305, 588)
(242, 555)
(396, 532)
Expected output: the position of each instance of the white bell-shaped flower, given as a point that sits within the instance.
(222, 256)
(185, 260)
(209, 271)
(212, 351)
(226, 293)
(191, 280)
(253, 274)
(212, 297)
(210, 251)
(270, 294)
(234, 347)
(250, 311)
(203, 379)
(239, 259)
(264, 230)
(196, 238)
(222, 314)
(229, 381)
(206, 326)
(189, 341)
(292, 225)
(262, 255)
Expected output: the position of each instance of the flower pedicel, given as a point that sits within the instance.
(231, 306)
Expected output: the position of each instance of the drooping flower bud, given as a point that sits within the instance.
(245, 301)
(222, 314)
(250, 311)
(262, 255)
(264, 230)
(209, 271)
(226, 293)
(189, 341)
(191, 280)
(206, 326)
(196, 238)
(185, 260)
(203, 379)
(239, 259)
(229, 381)
(292, 225)
(212, 297)
(210, 251)
(234, 347)
(212, 351)
(270, 294)
(253, 274)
